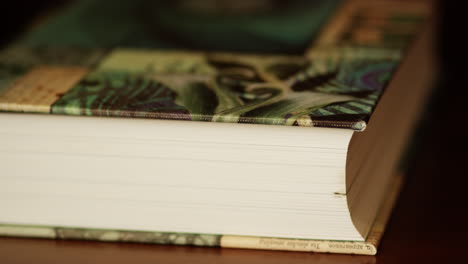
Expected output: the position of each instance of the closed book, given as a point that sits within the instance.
(182, 136)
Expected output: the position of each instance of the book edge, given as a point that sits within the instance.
(368, 247)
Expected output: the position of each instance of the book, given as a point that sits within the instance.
(105, 138)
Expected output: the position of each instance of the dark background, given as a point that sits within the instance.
(430, 222)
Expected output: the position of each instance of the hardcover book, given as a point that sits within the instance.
(266, 125)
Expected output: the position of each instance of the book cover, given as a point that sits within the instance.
(336, 82)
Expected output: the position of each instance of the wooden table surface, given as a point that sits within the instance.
(427, 226)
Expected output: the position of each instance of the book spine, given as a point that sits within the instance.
(305, 245)
(210, 240)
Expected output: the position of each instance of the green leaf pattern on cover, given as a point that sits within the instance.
(163, 238)
(281, 90)
(120, 94)
(151, 237)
